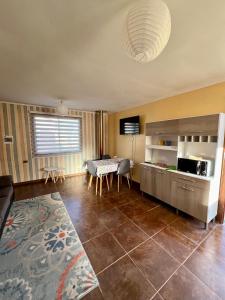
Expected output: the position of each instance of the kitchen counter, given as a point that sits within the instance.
(179, 172)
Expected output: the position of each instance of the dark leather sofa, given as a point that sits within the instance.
(6, 198)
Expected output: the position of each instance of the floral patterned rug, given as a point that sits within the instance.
(41, 256)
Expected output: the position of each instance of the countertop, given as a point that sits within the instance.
(179, 172)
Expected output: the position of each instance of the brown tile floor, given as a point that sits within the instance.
(138, 247)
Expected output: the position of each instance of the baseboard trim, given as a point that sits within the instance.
(43, 179)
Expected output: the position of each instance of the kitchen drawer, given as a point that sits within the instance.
(190, 199)
(195, 182)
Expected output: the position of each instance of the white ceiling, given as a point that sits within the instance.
(73, 49)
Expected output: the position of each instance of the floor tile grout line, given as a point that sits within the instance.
(143, 212)
(166, 251)
(201, 281)
(109, 230)
(118, 259)
(184, 235)
(182, 264)
(150, 238)
(96, 236)
(136, 264)
(155, 295)
(127, 254)
(142, 273)
(198, 244)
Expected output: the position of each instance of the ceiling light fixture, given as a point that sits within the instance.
(61, 108)
(148, 28)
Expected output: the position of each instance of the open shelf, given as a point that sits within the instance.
(162, 147)
(197, 139)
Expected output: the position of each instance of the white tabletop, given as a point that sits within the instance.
(106, 166)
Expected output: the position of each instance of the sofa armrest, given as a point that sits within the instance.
(6, 181)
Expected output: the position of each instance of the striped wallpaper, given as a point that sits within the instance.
(15, 121)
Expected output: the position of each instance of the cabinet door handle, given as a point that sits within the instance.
(186, 179)
(160, 172)
(187, 189)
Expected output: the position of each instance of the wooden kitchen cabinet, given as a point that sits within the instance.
(147, 179)
(192, 137)
(156, 182)
(185, 193)
(163, 128)
(194, 126)
(204, 125)
(162, 186)
(190, 198)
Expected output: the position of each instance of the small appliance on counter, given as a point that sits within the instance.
(203, 167)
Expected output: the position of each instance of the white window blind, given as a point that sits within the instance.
(53, 134)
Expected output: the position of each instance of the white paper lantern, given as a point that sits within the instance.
(148, 28)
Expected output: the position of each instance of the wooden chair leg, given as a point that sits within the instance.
(96, 186)
(53, 176)
(130, 175)
(107, 182)
(57, 176)
(100, 185)
(118, 183)
(46, 180)
(90, 182)
(128, 181)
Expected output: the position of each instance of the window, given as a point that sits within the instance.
(55, 135)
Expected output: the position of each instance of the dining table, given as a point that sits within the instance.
(108, 166)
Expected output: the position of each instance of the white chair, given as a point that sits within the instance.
(93, 172)
(124, 170)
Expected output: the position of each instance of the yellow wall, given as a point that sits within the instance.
(199, 102)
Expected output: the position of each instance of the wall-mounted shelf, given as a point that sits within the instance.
(197, 139)
(162, 147)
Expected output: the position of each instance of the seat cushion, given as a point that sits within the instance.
(6, 197)
(6, 192)
(4, 205)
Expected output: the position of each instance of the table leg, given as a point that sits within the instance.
(100, 185)
(107, 182)
(128, 181)
(111, 179)
(96, 187)
(90, 182)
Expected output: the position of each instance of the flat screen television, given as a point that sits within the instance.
(130, 125)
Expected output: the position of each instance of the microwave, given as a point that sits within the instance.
(199, 167)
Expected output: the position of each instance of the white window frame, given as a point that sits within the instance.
(52, 153)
